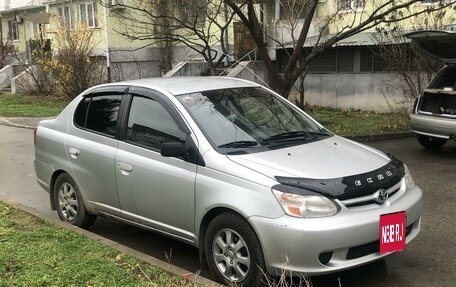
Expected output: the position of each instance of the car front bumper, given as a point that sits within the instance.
(433, 126)
(324, 245)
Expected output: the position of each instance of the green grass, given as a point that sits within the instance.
(356, 122)
(37, 253)
(30, 106)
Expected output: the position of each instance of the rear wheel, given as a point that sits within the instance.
(233, 251)
(70, 205)
(431, 142)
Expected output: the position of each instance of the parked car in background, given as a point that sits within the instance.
(230, 167)
(433, 118)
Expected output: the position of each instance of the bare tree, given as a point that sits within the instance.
(198, 25)
(34, 79)
(411, 69)
(346, 25)
(6, 50)
(72, 66)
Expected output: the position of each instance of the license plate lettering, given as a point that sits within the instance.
(392, 232)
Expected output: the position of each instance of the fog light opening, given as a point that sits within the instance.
(325, 257)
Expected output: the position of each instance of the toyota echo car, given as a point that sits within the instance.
(230, 167)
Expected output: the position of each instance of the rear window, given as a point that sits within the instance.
(99, 114)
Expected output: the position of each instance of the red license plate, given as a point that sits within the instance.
(392, 232)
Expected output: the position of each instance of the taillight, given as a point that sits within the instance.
(34, 135)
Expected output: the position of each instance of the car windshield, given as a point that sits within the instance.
(249, 118)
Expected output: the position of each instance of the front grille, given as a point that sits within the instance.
(371, 198)
(370, 248)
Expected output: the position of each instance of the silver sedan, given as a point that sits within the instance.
(230, 167)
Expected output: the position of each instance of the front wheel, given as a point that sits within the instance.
(70, 205)
(431, 142)
(233, 251)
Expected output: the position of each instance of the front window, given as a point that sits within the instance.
(251, 119)
(150, 125)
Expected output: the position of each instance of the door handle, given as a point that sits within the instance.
(125, 168)
(74, 152)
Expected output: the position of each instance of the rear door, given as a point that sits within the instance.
(154, 190)
(91, 147)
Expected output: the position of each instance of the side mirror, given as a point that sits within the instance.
(173, 149)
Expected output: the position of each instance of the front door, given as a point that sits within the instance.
(154, 190)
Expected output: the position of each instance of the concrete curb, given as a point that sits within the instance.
(22, 122)
(380, 137)
(194, 278)
(6, 122)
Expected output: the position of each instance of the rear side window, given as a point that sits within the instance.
(99, 114)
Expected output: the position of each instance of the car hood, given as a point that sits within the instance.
(335, 166)
(438, 44)
(329, 158)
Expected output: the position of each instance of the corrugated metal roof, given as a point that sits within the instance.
(360, 39)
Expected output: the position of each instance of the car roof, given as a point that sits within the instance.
(185, 85)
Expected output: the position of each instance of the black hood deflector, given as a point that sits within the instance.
(350, 186)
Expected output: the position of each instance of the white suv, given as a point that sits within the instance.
(433, 118)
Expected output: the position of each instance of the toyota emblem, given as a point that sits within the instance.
(382, 196)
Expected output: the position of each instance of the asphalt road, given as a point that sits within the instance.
(430, 260)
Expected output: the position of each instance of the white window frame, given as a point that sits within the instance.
(350, 5)
(65, 14)
(88, 14)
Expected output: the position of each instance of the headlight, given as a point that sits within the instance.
(312, 205)
(409, 183)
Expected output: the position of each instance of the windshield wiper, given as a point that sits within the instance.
(238, 144)
(295, 135)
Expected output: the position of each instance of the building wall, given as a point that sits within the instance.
(370, 92)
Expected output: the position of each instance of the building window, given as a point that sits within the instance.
(431, 1)
(346, 61)
(190, 12)
(292, 10)
(324, 63)
(66, 16)
(88, 14)
(350, 5)
(13, 31)
(38, 30)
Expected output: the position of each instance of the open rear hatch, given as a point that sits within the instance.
(439, 99)
(438, 44)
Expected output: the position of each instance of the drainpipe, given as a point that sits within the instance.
(108, 62)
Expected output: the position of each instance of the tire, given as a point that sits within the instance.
(69, 203)
(431, 142)
(243, 265)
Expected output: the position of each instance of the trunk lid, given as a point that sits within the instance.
(438, 44)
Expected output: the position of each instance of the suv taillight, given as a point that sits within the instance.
(34, 135)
